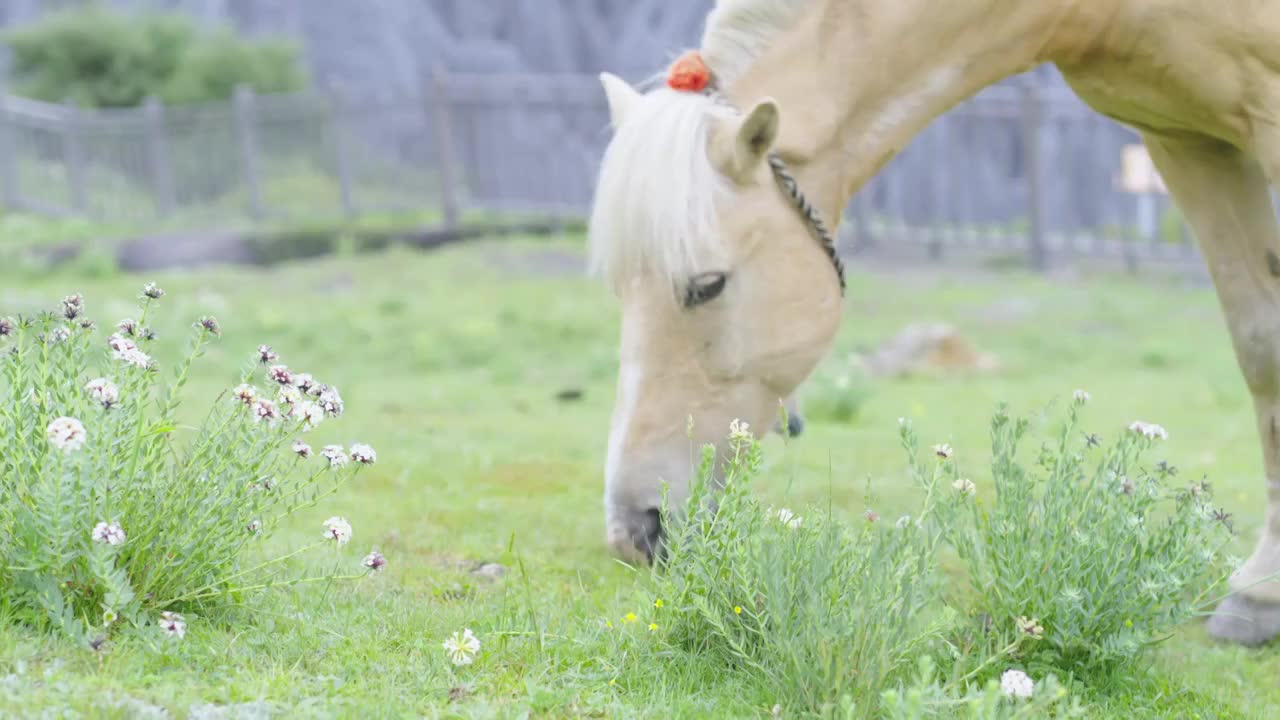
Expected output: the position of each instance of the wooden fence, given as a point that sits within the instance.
(1013, 170)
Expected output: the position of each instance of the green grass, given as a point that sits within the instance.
(450, 363)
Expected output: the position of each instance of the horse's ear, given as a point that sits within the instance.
(742, 144)
(622, 97)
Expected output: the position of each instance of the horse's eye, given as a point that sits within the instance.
(704, 287)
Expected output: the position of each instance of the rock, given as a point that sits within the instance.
(489, 571)
(927, 347)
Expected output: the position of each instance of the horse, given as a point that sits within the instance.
(708, 212)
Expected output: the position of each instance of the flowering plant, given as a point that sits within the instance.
(111, 510)
(1089, 554)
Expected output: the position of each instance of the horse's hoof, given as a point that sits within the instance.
(1245, 621)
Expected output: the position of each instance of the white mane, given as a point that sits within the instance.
(656, 200)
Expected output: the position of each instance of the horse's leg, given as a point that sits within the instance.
(1224, 195)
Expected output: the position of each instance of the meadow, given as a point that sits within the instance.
(483, 374)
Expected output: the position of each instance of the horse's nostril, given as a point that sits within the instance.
(648, 534)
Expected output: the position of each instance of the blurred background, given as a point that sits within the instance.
(243, 128)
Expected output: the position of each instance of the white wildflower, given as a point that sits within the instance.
(964, 486)
(245, 393)
(904, 522)
(126, 350)
(59, 334)
(66, 434)
(254, 527)
(1015, 683)
(291, 396)
(172, 624)
(301, 449)
(103, 391)
(1151, 431)
(335, 454)
(1030, 626)
(265, 411)
(266, 355)
(739, 431)
(943, 450)
(311, 415)
(306, 384)
(338, 530)
(374, 561)
(1080, 396)
(280, 374)
(788, 518)
(363, 454)
(108, 534)
(331, 401)
(462, 647)
(152, 291)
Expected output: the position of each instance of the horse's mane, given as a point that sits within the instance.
(657, 193)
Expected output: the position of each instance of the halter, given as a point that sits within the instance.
(690, 74)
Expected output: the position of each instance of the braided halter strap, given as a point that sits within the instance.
(690, 73)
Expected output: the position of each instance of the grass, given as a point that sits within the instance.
(450, 364)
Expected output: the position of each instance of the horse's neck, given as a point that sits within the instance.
(856, 81)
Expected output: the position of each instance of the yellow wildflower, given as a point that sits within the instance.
(629, 618)
(653, 626)
(657, 603)
(737, 609)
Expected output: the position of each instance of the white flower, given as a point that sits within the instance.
(1015, 683)
(245, 393)
(254, 527)
(331, 401)
(964, 486)
(462, 647)
(1151, 431)
(152, 291)
(788, 518)
(1080, 396)
(59, 334)
(266, 355)
(172, 624)
(374, 561)
(289, 395)
(903, 522)
(943, 450)
(363, 454)
(739, 431)
(336, 456)
(302, 449)
(104, 391)
(127, 351)
(280, 374)
(108, 534)
(338, 530)
(311, 414)
(66, 434)
(265, 411)
(305, 383)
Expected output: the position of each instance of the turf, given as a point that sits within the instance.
(453, 363)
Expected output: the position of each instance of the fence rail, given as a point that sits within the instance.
(1013, 169)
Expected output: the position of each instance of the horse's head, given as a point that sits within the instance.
(727, 300)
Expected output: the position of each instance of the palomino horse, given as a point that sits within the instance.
(708, 202)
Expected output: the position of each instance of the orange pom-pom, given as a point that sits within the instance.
(689, 73)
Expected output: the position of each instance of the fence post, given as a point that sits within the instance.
(73, 156)
(341, 149)
(438, 96)
(157, 141)
(10, 191)
(1032, 119)
(247, 133)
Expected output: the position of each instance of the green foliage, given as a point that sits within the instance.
(1095, 564)
(929, 698)
(787, 597)
(102, 58)
(104, 517)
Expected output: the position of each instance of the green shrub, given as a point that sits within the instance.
(101, 58)
(107, 520)
(819, 610)
(1093, 564)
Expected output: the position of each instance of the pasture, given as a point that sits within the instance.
(483, 374)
